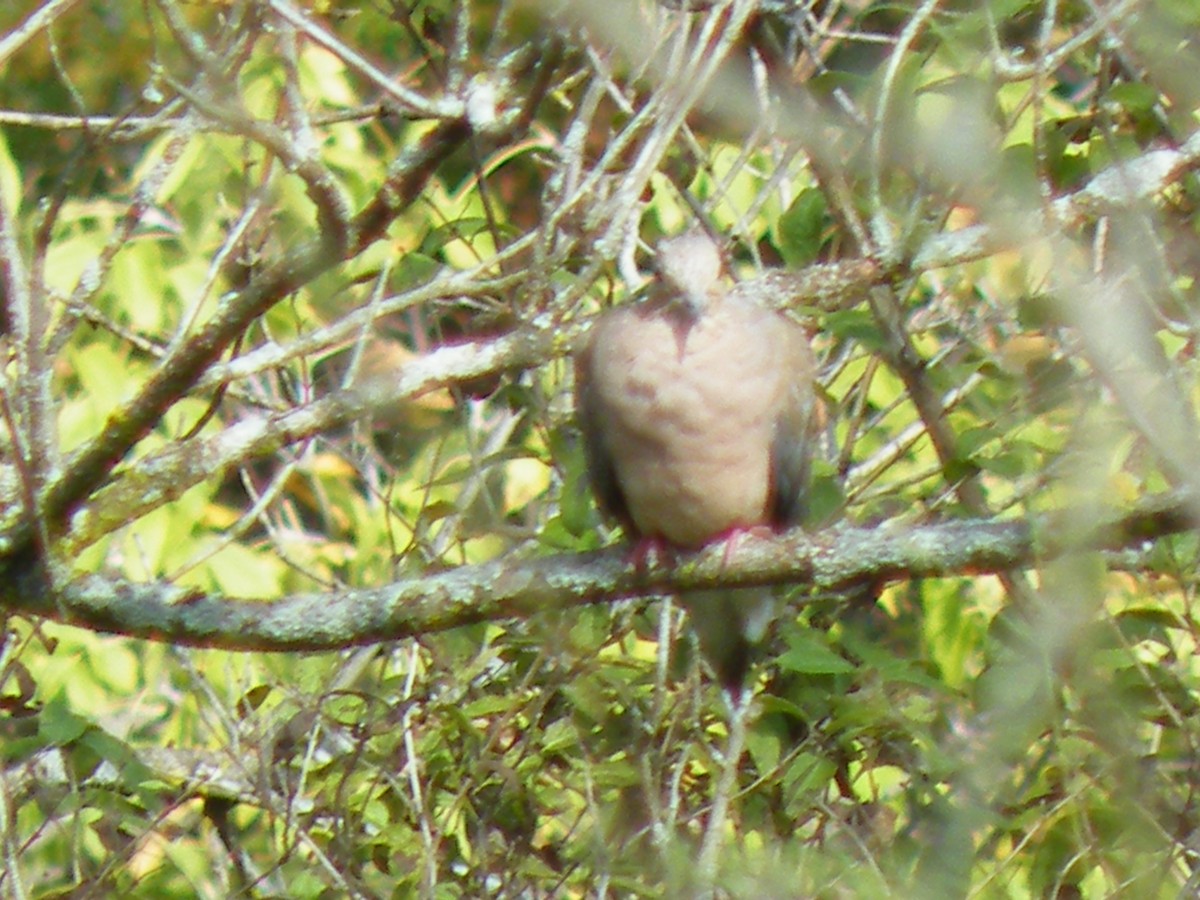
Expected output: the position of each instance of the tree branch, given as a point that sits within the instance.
(830, 560)
(91, 464)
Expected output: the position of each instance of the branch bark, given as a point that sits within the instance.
(830, 560)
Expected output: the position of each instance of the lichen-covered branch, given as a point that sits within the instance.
(830, 560)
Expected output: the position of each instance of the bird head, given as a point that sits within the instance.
(689, 267)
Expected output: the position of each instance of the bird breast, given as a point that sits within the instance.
(691, 413)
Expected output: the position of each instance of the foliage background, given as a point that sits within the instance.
(289, 298)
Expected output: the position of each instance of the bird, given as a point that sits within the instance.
(697, 408)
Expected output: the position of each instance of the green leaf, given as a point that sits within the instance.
(801, 228)
(58, 724)
(10, 178)
(856, 325)
(809, 656)
(1134, 96)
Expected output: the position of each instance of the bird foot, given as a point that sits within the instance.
(734, 535)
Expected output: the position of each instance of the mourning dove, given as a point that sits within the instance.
(696, 408)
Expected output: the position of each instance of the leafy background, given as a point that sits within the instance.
(1023, 731)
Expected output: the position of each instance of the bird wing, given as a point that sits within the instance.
(601, 467)
(793, 439)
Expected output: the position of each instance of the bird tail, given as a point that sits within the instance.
(729, 624)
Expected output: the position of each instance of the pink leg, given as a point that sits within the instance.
(735, 534)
